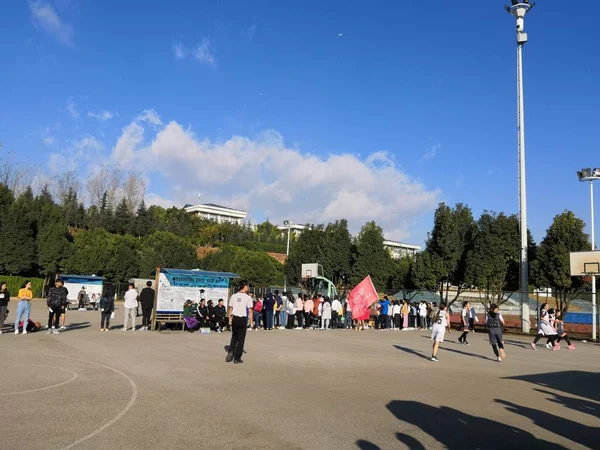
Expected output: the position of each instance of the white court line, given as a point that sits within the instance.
(47, 387)
(114, 419)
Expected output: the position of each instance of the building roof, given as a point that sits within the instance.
(198, 273)
(214, 205)
(81, 277)
(401, 245)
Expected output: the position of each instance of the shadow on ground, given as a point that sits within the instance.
(455, 429)
(582, 384)
(410, 351)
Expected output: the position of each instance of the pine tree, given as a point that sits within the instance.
(143, 222)
(71, 209)
(17, 242)
(124, 220)
(53, 247)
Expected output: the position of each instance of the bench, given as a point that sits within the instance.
(162, 318)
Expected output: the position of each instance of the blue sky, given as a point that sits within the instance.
(309, 111)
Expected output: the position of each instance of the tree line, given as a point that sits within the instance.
(460, 254)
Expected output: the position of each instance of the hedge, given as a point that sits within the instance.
(13, 283)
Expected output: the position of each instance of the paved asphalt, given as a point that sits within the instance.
(88, 389)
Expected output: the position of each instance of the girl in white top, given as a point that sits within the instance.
(290, 309)
(396, 315)
(466, 314)
(423, 314)
(326, 315)
(545, 329)
(440, 324)
(561, 331)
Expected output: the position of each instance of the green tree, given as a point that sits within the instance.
(93, 217)
(71, 210)
(169, 250)
(53, 247)
(552, 268)
(448, 246)
(125, 260)
(123, 222)
(337, 254)
(258, 268)
(91, 252)
(494, 260)
(307, 248)
(17, 241)
(372, 258)
(143, 222)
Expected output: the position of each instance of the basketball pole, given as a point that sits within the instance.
(593, 276)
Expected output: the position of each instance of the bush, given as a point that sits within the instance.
(13, 283)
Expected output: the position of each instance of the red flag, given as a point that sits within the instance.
(361, 298)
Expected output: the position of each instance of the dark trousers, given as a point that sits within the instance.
(307, 320)
(277, 319)
(146, 315)
(334, 320)
(268, 320)
(300, 318)
(105, 319)
(290, 321)
(81, 303)
(54, 317)
(238, 336)
(397, 320)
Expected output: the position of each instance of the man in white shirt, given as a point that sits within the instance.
(336, 305)
(238, 310)
(130, 305)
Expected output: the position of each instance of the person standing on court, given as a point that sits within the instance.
(147, 301)
(56, 300)
(130, 304)
(238, 311)
(24, 306)
(4, 299)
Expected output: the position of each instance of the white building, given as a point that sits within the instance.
(217, 213)
(399, 249)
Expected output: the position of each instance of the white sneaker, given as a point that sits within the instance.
(24, 331)
(548, 345)
(17, 331)
(499, 359)
(55, 331)
(123, 329)
(63, 328)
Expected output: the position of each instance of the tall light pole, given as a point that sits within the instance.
(518, 9)
(288, 224)
(591, 175)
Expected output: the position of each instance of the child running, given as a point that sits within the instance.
(561, 331)
(466, 314)
(545, 329)
(494, 322)
(440, 324)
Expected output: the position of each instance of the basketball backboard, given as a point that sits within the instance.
(585, 263)
(310, 270)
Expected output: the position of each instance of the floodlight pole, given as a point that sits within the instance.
(593, 276)
(287, 251)
(518, 10)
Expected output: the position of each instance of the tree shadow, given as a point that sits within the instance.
(577, 404)
(516, 343)
(473, 355)
(413, 352)
(574, 382)
(455, 429)
(574, 431)
(366, 445)
(410, 441)
(76, 326)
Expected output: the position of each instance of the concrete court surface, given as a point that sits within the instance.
(88, 389)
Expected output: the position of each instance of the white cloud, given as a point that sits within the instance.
(155, 199)
(103, 116)
(49, 140)
(432, 152)
(45, 16)
(149, 115)
(179, 51)
(72, 108)
(276, 181)
(85, 150)
(202, 53)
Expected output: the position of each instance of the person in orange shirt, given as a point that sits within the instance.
(24, 306)
(316, 316)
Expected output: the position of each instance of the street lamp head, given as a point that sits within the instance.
(588, 174)
(286, 222)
